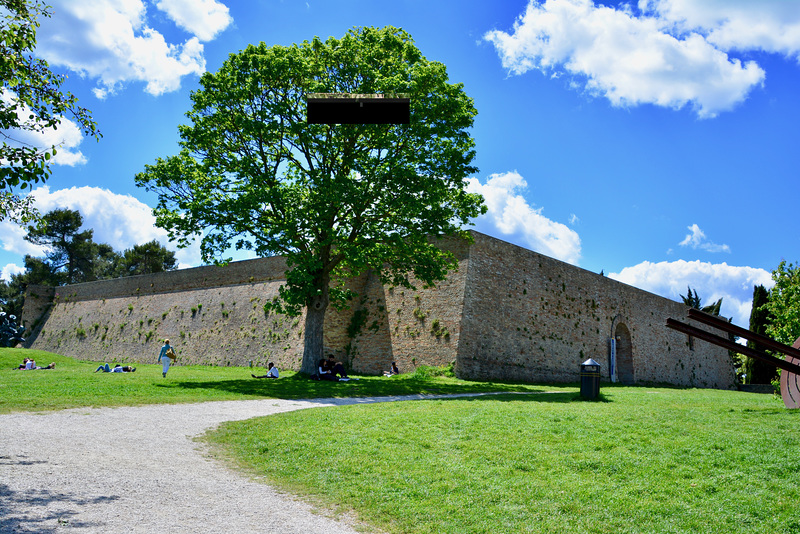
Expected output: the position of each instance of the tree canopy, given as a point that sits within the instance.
(150, 257)
(72, 256)
(31, 100)
(784, 304)
(334, 199)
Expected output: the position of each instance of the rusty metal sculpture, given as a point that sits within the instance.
(790, 382)
(790, 367)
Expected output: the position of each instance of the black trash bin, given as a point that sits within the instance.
(590, 379)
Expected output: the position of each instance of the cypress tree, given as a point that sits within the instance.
(759, 372)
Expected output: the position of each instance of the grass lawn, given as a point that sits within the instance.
(641, 460)
(74, 384)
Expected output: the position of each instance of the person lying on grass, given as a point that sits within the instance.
(272, 372)
(117, 369)
(30, 365)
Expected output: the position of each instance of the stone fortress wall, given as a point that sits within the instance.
(507, 313)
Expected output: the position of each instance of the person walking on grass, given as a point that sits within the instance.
(166, 356)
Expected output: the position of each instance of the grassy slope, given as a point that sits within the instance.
(74, 383)
(645, 460)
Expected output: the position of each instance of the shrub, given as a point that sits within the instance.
(428, 371)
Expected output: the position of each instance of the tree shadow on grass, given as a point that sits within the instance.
(40, 510)
(524, 396)
(298, 387)
(560, 397)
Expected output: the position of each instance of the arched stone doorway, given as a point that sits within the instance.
(624, 354)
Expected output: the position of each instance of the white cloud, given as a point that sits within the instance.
(12, 238)
(10, 270)
(628, 59)
(697, 239)
(767, 25)
(712, 281)
(510, 215)
(202, 18)
(119, 220)
(110, 40)
(65, 138)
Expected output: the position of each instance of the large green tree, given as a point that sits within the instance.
(71, 255)
(784, 304)
(31, 100)
(334, 199)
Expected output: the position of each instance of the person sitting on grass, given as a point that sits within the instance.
(272, 372)
(336, 368)
(393, 371)
(325, 373)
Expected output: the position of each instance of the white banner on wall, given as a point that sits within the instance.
(612, 358)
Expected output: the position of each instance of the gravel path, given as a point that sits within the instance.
(138, 470)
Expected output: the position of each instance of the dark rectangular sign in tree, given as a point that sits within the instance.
(346, 108)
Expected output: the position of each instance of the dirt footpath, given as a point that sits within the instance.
(138, 470)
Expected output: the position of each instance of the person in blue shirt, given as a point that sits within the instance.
(165, 356)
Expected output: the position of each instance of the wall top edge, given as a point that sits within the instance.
(242, 272)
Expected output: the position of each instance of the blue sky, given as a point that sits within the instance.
(654, 140)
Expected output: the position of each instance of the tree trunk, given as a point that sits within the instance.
(313, 336)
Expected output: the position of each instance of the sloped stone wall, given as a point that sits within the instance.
(211, 315)
(531, 317)
(507, 313)
(420, 326)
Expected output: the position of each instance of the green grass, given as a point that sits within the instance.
(74, 384)
(641, 460)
